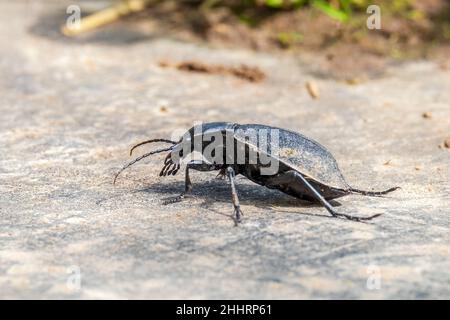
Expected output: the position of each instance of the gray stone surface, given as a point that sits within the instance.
(70, 110)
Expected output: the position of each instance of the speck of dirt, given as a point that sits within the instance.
(163, 64)
(163, 109)
(353, 81)
(427, 115)
(447, 143)
(252, 74)
(244, 72)
(387, 163)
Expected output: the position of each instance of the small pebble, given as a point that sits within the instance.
(313, 89)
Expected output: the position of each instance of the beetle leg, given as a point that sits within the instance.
(373, 193)
(194, 165)
(187, 189)
(221, 175)
(234, 196)
(328, 206)
(291, 176)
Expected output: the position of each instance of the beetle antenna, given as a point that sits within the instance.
(150, 141)
(373, 193)
(139, 159)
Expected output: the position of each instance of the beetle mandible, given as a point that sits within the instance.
(303, 168)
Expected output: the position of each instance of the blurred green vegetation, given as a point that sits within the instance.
(418, 16)
(408, 27)
(340, 10)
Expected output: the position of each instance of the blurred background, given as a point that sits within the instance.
(335, 29)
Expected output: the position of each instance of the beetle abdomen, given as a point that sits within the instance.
(296, 151)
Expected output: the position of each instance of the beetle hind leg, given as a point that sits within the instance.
(292, 176)
(327, 206)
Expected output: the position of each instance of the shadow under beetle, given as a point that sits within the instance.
(304, 168)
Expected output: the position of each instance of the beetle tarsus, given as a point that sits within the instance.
(354, 218)
(187, 183)
(175, 199)
(373, 193)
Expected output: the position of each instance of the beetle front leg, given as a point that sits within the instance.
(234, 196)
(194, 165)
(187, 189)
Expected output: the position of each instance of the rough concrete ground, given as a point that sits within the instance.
(70, 110)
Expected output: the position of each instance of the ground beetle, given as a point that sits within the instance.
(303, 168)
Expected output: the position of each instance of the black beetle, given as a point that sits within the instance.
(272, 157)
